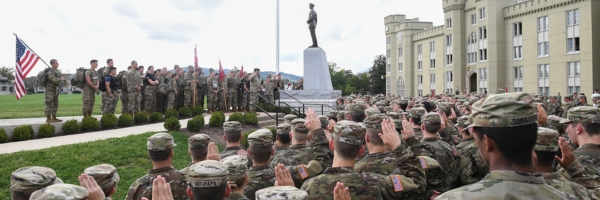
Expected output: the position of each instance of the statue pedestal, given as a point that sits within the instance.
(317, 84)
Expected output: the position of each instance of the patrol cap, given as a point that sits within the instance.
(582, 114)
(283, 129)
(554, 120)
(349, 132)
(26, 180)
(503, 110)
(237, 167)
(444, 107)
(417, 112)
(160, 142)
(356, 108)
(60, 192)
(398, 123)
(298, 126)
(431, 119)
(211, 70)
(547, 140)
(403, 101)
(198, 141)
(207, 174)
(256, 69)
(393, 115)
(289, 117)
(105, 175)
(333, 114)
(281, 193)
(462, 121)
(371, 111)
(374, 121)
(269, 76)
(323, 119)
(342, 115)
(232, 126)
(261, 138)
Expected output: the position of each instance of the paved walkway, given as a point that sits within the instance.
(79, 138)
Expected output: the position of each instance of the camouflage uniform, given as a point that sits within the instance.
(160, 98)
(213, 89)
(554, 108)
(417, 113)
(295, 154)
(105, 175)
(51, 92)
(567, 107)
(493, 111)
(254, 90)
(259, 177)
(221, 95)
(288, 118)
(281, 192)
(195, 141)
(108, 105)
(133, 81)
(26, 180)
(472, 167)
(139, 99)
(439, 150)
(89, 94)
(200, 89)
(237, 167)
(171, 93)
(282, 130)
(189, 88)
(150, 98)
(61, 191)
(124, 92)
(361, 185)
(142, 187)
(207, 174)
(232, 91)
(268, 86)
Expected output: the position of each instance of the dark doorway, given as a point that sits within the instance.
(473, 83)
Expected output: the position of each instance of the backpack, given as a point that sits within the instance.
(162, 88)
(120, 80)
(79, 78)
(102, 86)
(101, 71)
(42, 77)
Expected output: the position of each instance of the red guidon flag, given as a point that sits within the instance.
(196, 59)
(26, 60)
(242, 71)
(221, 72)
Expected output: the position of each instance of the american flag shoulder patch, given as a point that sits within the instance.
(454, 151)
(397, 182)
(423, 162)
(302, 171)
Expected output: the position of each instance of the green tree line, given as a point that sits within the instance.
(370, 82)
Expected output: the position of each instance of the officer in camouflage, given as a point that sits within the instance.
(448, 133)
(90, 88)
(213, 90)
(61, 191)
(268, 86)
(583, 127)
(297, 153)
(150, 87)
(190, 82)
(208, 180)
(133, 88)
(472, 168)
(197, 149)
(232, 85)
(254, 89)
(546, 148)
(106, 177)
(553, 107)
(52, 91)
(160, 149)
(139, 99)
(122, 77)
(26, 180)
(232, 134)
(245, 87)
(569, 103)
(237, 178)
(260, 175)
(283, 139)
(200, 88)
(332, 115)
(281, 192)
(288, 118)
(222, 94)
(172, 90)
(111, 94)
(415, 115)
(505, 130)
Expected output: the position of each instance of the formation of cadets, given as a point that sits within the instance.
(157, 90)
(496, 146)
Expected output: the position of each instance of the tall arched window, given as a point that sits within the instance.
(400, 87)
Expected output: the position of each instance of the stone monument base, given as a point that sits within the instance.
(322, 101)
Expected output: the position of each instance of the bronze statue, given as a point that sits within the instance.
(312, 25)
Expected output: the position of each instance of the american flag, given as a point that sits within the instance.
(25, 61)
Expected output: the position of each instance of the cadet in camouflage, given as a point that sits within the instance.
(333, 115)
(472, 168)
(261, 175)
(61, 191)
(297, 153)
(283, 138)
(209, 179)
(197, 144)
(159, 144)
(237, 167)
(513, 113)
(281, 193)
(232, 131)
(26, 180)
(106, 177)
(288, 118)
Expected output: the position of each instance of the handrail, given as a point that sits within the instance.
(322, 110)
(276, 118)
(292, 97)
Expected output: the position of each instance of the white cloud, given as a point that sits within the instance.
(163, 33)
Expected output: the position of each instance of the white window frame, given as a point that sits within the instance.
(483, 77)
(543, 44)
(573, 37)
(473, 19)
(449, 80)
(420, 57)
(518, 79)
(420, 85)
(449, 58)
(482, 14)
(472, 48)
(388, 41)
(400, 59)
(449, 23)
(400, 87)
(543, 79)
(517, 41)
(388, 65)
(388, 85)
(573, 77)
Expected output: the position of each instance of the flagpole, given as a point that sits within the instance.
(32, 50)
(277, 40)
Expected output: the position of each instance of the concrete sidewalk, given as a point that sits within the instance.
(82, 137)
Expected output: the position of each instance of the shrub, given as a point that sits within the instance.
(286, 110)
(172, 124)
(171, 113)
(156, 117)
(238, 117)
(250, 118)
(109, 121)
(196, 123)
(3, 136)
(274, 132)
(89, 124)
(244, 139)
(140, 118)
(222, 115)
(185, 112)
(216, 119)
(23, 132)
(197, 110)
(70, 126)
(46, 130)
(125, 120)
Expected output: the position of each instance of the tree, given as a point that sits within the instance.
(376, 73)
(361, 83)
(7, 72)
(349, 90)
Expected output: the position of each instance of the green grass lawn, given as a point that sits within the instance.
(32, 105)
(127, 154)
